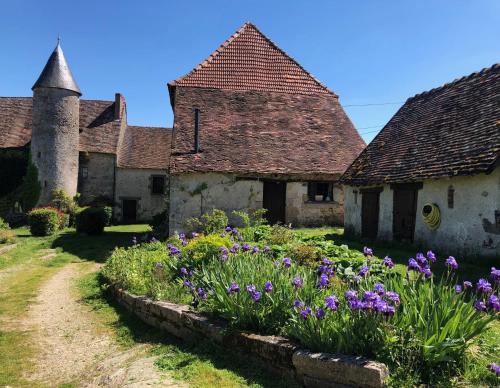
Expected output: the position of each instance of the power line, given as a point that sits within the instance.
(372, 126)
(374, 104)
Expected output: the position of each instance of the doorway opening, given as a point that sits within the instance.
(404, 211)
(129, 211)
(274, 201)
(370, 208)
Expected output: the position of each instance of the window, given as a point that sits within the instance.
(158, 184)
(451, 197)
(320, 191)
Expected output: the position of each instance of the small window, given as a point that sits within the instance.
(451, 197)
(84, 172)
(158, 185)
(39, 154)
(320, 191)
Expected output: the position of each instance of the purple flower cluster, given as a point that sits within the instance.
(364, 271)
(233, 232)
(484, 286)
(422, 263)
(388, 262)
(297, 282)
(495, 275)
(287, 262)
(451, 263)
(326, 272)
(368, 252)
(173, 250)
(233, 288)
(254, 294)
(379, 300)
(495, 368)
(492, 303)
(332, 302)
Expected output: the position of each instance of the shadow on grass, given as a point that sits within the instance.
(192, 361)
(469, 269)
(95, 248)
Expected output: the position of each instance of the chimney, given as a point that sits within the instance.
(118, 106)
(196, 130)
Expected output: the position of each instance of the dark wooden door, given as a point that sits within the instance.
(404, 214)
(275, 201)
(129, 211)
(370, 205)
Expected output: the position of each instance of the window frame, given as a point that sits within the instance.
(164, 180)
(312, 191)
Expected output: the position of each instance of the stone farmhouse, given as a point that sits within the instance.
(432, 175)
(251, 129)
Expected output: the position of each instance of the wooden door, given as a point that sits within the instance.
(275, 201)
(129, 207)
(404, 214)
(370, 205)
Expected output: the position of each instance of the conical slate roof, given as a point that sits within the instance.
(57, 74)
(249, 60)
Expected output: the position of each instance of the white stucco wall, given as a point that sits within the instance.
(469, 229)
(192, 195)
(301, 212)
(136, 184)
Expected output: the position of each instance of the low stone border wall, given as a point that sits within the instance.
(281, 354)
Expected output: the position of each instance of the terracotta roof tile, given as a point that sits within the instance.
(448, 131)
(145, 147)
(249, 60)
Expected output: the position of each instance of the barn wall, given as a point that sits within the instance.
(100, 177)
(136, 184)
(301, 212)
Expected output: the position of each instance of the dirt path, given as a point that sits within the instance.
(74, 347)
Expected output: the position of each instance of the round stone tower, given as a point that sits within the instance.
(55, 127)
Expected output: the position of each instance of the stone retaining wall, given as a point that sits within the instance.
(280, 354)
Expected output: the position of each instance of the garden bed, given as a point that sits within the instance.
(280, 354)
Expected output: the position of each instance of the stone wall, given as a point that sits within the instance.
(301, 212)
(136, 184)
(100, 179)
(54, 143)
(276, 353)
(471, 228)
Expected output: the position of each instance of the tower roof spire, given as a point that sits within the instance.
(56, 73)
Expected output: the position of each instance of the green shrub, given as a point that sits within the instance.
(304, 254)
(108, 212)
(66, 204)
(7, 236)
(91, 220)
(252, 218)
(44, 221)
(280, 235)
(30, 190)
(204, 248)
(213, 222)
(159, 224)
(3, 225)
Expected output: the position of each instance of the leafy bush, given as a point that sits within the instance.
(91, 220)
(204, 248)
(280, 235)
(3, 224)
(159, 224)
(304, 254)
(108, 214)
(66, 204)
(144, 270)
(44, 221)
(252, 218)
(30, 188)
(212, 222)
(7, 236)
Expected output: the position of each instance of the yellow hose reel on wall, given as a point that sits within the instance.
(431, 215)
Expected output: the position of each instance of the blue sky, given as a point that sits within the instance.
(368, 52)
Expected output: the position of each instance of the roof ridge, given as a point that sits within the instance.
(231, 39)
(454, 82)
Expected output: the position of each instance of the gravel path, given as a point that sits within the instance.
(74, 347)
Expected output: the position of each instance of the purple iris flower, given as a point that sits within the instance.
(297, 282)
(255, 249)
(392, 296)
(266, 249)
(298, 304)
(320, 313)
(370, 296)
(495, 368)
(351, 294)
(256, 295)
(356, 304)
(201, 293)
(222, 234)
(245, 247)
(194, 235)
(228, 229)
(479, 305)
(421, 260)
(451, 263)
(184, 243)
(182, 236)
(368, 252)
(431, 256)
(467, 284)
(379, 288)
(484, 286)
(235, 248)
(323, 281)
(494, 303)
(188, 283)
(174, 251)
(331, 302)
(413, 265)
(326, 261)
(458, 289)
(495, 275)
(184, 272)
(251, 288)
(427, 272)
(233, 288)
(223, 250)
(388, 262)
(268, 287)
(306, 312)
(287, 262)
(363, 272)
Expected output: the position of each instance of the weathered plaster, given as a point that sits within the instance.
(470, 228)
(301, 212)
(100, 176)
(136, 184)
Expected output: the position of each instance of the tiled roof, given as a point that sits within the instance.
(248, 60)
(263, 133)
(145, 147)
(448, 131)
(141, 147)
